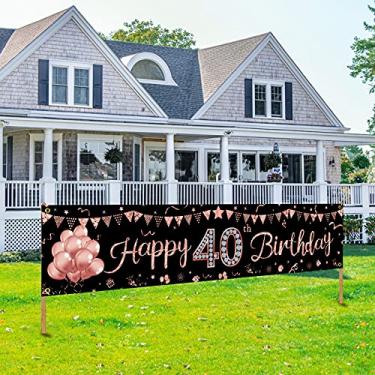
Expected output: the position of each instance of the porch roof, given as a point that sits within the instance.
(186, 128)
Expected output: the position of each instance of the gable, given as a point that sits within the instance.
(19, 89)
(267, 66)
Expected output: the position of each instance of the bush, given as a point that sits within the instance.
(272, 160)
(20, 256)
(370, 228)
(352, 228)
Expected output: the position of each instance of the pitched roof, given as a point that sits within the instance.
(5, 34)
(22, 37)
(180, 101)
(219, 62)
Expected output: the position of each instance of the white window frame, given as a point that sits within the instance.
(131, 60)
(38, 137)
(70, 66)
(99, 138)
(268, 85)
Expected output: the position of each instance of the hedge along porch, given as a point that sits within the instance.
(28, 183)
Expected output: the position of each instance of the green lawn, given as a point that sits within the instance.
(263, 325)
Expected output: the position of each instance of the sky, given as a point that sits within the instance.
(317, 34)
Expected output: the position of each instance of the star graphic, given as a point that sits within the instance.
(218, 213)
(121, 209)
(66, 212)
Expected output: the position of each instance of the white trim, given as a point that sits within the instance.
(131, 60)
(39, 137)
(71, 66)
(269, 84)
(73, 14)
(299, 76)
(100, 138)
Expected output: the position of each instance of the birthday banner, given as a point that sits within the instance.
(86, 248)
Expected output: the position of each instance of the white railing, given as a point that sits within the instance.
(82, 192)
(199, 193)
(251, 193)
(141, 193)
(371, 193)
(22, 194)
(300, 193)
(348, 195)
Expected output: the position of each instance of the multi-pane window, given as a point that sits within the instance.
(276, 101)
(81, 86)
(309, 162)
(38, 160)
(260, 100)
(59, 85)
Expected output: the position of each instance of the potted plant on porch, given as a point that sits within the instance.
(114, 155)
(272, 162)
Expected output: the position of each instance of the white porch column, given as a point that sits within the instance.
(224, 170)
(320, 169)
(365, 195)
(170, 172)
(49, 183)
(2, 192)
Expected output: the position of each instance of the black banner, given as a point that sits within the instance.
(87, 248)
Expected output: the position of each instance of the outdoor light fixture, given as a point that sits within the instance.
(332, 162)
(228, 132)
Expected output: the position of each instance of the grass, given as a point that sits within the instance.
(264, 325)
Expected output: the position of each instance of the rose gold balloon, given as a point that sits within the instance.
(85, 275)
(65, 235)
(74, 277)
(54, 273)
(96, 267)
(84, 240)
(93, 246)
(63, 262)
(57, 248)
(72, 245)
(80, 231)
(83, 259)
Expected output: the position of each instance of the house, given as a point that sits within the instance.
(192, 126)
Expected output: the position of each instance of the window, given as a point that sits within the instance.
(147, 69)
(260, 100)
(137, 162)
(156, 165)
(186, 166)
(263, 171)
(92, 163)
(81, 86)
(5, 158)
(213, 166)
(309, 162)
(248, 167)
(59, 85)
(70, 84)
(292, 168)
(38, 160)
(276, 101)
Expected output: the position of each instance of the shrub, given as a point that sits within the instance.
(370, 228)
(352, 228)
(20, 256)
(272, 160)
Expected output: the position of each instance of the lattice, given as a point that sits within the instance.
(22, 234)
(354, 237)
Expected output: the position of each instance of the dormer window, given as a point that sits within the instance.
(268, 99)
(149, 68)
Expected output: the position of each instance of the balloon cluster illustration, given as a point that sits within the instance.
(75, 256)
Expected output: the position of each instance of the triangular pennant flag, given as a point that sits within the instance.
(306, 216)
(313, 217)
(137, 216)
(95, 221)
(147, 218)
(229, 213)
(168, 219)
(262, 218)
(278, 216)
(107, 220)
(238, 215)
(129, 215)
(197, 217)
(45, 217)
(299, 215)
(333, 214)
(246, 217)
(340, 212)
(207, 214)
(58, 220)
(291, 213)
(320, 217)
(178, 219)
(188, 218)
(71, 221)
(158, 220)
(254, 218)
(118, 218)
(270, 218)
(83, 221)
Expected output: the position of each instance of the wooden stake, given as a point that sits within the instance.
(43, 315)
(341, 286)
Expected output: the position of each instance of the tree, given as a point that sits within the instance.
(363, 66)
(355, 165)
(146, 32)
